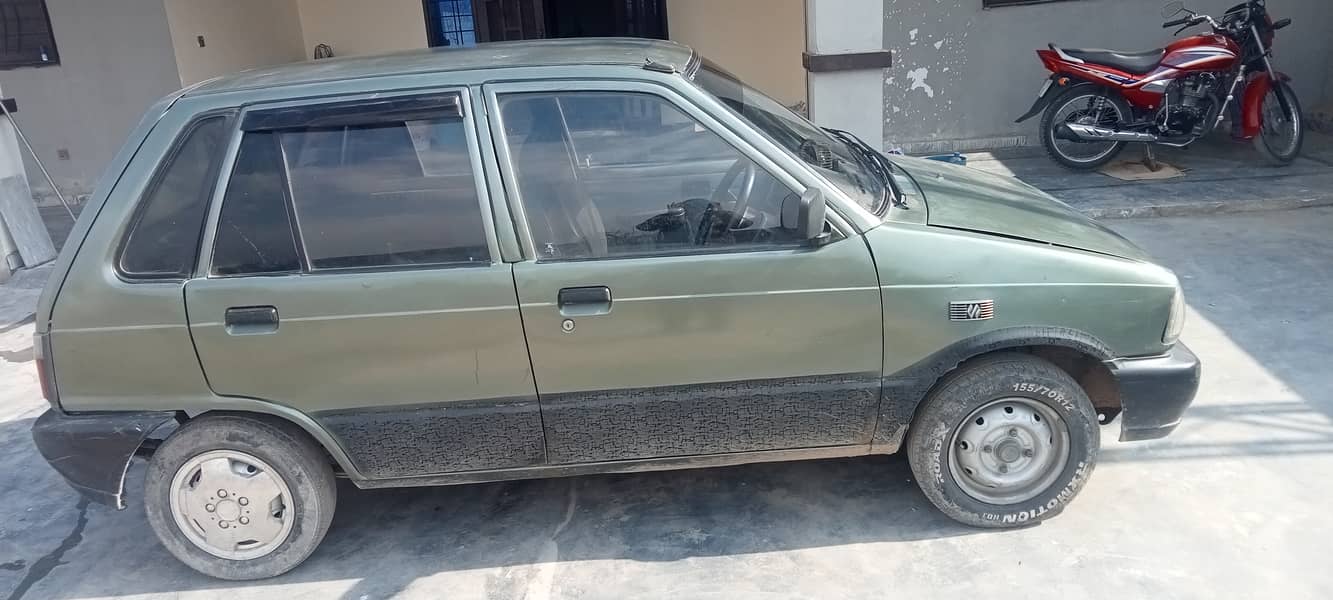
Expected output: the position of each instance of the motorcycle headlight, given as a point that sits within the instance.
(1175, 323)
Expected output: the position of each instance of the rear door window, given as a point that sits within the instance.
(337, 187)
(254, 233)
(386, 194)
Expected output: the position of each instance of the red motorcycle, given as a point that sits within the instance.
(1097, 101)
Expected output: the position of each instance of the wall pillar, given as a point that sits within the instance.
(850, 99)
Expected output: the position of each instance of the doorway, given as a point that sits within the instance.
(468, 22)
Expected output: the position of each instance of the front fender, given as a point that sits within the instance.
(92, 451)
(901, 392)
(1253, 103)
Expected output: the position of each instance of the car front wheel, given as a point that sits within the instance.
(239, 498)
(1004, 441)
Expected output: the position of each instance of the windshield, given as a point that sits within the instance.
(832, 158)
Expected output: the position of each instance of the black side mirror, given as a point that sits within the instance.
(805, 214)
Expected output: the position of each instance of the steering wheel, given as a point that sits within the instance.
(742, 167)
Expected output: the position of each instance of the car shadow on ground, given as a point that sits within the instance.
(383, 540)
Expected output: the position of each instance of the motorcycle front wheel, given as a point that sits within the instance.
(1084, 105)
(1282, 128)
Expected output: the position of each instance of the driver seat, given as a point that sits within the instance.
(1138, 63)
(564, 221)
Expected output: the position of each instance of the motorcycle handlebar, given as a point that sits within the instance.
(1170, 24)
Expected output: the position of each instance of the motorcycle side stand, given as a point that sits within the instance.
(1150, 159)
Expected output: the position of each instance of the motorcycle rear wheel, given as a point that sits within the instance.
(1282, 128)
(1090, 105)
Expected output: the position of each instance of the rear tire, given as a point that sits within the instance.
(979, 449)
(1052, 144)
(259, 485)
(1282, 157)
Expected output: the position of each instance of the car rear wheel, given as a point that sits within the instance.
(239, 498)
(1006, 440)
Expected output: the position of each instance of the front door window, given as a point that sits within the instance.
(618, 174)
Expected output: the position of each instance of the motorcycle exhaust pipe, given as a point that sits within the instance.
(1075, 132)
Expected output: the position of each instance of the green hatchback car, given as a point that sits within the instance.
(559, 258)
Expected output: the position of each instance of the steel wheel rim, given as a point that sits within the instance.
(232, 505)
(1106, 115)
(1279, 126)
(1009, 451)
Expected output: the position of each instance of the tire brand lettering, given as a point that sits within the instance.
(1023, 516)
(936, 451)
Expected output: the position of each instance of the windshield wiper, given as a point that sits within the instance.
(873, 161)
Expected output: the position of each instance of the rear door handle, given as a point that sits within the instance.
(584, 301)
(249, 320)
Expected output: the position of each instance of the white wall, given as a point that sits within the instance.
(761, 41)
(116, 59)
(238, 35)
(850, 100)
(363, 26)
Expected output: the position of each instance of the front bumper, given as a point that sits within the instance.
(1154, 392)
(92, 451)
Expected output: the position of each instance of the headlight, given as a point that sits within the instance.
(1176, 322)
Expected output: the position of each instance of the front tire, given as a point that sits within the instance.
(239, 498)
(1005, 441)
(1282, 129)
(1087, 104)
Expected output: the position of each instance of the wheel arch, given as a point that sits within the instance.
(249, 407)
(1082, 355)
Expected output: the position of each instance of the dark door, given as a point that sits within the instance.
(606, 18)
(499, 20)
(466, 22)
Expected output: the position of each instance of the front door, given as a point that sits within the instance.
(670, 307)
(352, 275)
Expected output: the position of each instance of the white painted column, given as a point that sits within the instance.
(851, 100)
(23, 237)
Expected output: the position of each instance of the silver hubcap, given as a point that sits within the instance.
(1089, 109)
(1009, 451)
(231, 505)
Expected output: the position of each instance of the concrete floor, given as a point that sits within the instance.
(1220, 175)
(1234, 505)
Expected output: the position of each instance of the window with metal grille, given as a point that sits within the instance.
(25, 35)
(449, 23)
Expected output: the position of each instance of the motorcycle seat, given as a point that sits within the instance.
(1138, 63)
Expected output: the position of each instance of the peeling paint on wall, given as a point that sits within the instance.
(961, 74)
(918, 77)
(923, 35)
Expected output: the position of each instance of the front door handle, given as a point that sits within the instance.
(249, 320)
(584, 301)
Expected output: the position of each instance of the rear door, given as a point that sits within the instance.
(351, 272)
(670, 309)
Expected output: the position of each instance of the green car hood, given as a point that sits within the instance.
(963, 198)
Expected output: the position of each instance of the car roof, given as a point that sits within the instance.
(497, 55)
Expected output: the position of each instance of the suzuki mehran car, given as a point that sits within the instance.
(559, 258)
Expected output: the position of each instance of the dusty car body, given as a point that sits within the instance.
(558, 258)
